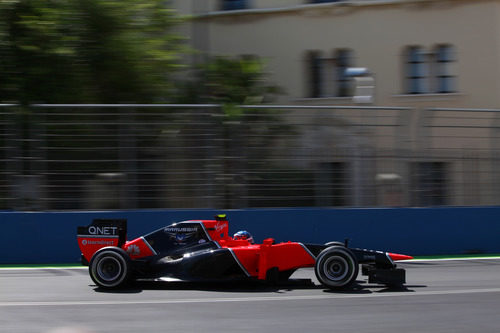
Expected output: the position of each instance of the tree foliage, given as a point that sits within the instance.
(87, 51)
(249, 134)
(230, 81)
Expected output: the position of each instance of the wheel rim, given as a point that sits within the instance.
(336, 268)
(109, 269)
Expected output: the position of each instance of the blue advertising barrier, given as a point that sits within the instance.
(50, 237)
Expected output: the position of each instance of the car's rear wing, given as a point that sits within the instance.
(101, 233)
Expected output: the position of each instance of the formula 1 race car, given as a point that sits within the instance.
(202, 250)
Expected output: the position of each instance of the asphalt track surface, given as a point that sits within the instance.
(441, 296)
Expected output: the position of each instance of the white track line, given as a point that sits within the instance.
(41, 268)
(250, 299)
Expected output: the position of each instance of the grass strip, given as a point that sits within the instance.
(459, 256)
(441, 257)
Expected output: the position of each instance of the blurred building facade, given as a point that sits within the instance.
(438, 58)
(432, 53)
(388, 103)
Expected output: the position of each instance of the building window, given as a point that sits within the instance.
(430, 72)
(315, 63)
(444, 78)
(327, 76)
(234, 4)
(343, 60)
(429, 184)
(416, 70)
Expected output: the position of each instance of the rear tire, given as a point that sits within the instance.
(110, 267)
(336, 267)
(335, 243)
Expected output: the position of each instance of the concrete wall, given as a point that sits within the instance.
(51, 237)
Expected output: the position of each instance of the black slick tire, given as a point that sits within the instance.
(335, 243)
(336, 267)
(110, 268)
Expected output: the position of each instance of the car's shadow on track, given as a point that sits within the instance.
(361, 288)
(228, 286)
(255, 287)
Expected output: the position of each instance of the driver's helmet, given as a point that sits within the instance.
(243, 234)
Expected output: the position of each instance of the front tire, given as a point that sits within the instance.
(336, 267)
(110, 268)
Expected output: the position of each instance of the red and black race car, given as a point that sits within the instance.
(202, 250)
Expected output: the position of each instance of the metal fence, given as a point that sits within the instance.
(57, 157)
